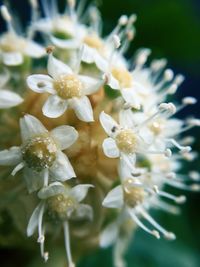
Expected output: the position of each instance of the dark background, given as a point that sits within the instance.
(171, 28)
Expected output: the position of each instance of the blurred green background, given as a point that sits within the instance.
(171, 28)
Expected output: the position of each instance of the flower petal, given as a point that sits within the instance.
(82, 108)
(40, 83)
(34, 180)
(4, 77)
(131, 97)
(62, 169)
(67, 44)
(34, 50)
(31, 127)
(90, 85)
(114, 198)
(112, 82)
(12, 156)
(56, 67)
(126, 165)
(108, 123)
(9, 99)
(110, 148)
(109, 235)
(51, 190)
(54, 107)
(83, 211)
(64, 135)
(80, 191)
(12, 58)
(33, 222)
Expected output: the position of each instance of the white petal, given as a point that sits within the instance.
(62, 169)
(67, 44)
(107, 123)
(90, 85)
(12, 58)
(90, 55)
(109, 235)
(10, 156)
(131, 97)
(51, 190)
(112, 82)
(65, 136)
(56, 67)
(126, 118)
(33, 222)
(40, 83)
(80, 191)
(34, 180)
(126, 165)
(34, 50)
(110, 148)
(9, 99)
(83, 211)
(114, 198)
(31, 127)
(54, 107)
(4, 77)
(82, 108)
(87, 54)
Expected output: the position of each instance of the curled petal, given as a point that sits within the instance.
(34, 50)
(82, 108)
(12, 58)
(80, 191)
(110, 148)
(114, 198)
(10, 156)
(30, 127)
(54, 107)
(33, 222)
(56, 67)
(51, 190)
(108, 123)
(62, 169)
(9, 99)
(40, 83)
(65, 136)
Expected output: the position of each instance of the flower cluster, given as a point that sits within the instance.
(112, 138)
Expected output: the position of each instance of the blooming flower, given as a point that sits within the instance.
(40, 153)
(63, 205)
(68, 89)
(8, 98)
(13, 47)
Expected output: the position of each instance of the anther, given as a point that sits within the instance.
(189, 100)
(50, 49)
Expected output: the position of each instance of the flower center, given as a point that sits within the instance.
(39, 153)
(11, 43)
(126, 141)
(60, 207)
(132, 195)
(93, 41)
(123, 76)
(68, 86)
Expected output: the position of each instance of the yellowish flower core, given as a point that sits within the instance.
(60, 206)
(68, 86)
(123, 76)
(126, 141)
(12, 43)
(93, 41)
(39, 153)
(132, 195)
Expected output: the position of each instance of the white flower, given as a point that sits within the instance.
(62, 204)
(135, 199)
(40, 153)
(13, 47)
(8, 99)
(67, 88)
(124, 142)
